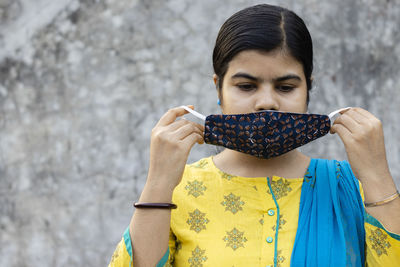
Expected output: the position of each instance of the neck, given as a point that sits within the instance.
(290, 165)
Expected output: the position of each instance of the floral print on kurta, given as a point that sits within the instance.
(195, 188)
(198, 257)
(197, 221)
(235, 239)
(232, 203)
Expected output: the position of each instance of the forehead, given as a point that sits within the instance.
(264, 64)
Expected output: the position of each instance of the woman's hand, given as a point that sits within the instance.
(362, 135)
(171, 141)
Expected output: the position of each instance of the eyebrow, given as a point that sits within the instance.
(256, 79)
(287, 77)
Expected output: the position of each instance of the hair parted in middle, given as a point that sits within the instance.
(264, 28)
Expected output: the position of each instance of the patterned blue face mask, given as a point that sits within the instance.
(264, 134)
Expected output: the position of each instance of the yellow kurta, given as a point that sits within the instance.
(225, 220)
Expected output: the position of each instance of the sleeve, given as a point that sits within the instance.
(122, 256)
(382, 247)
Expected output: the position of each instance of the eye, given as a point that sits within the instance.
(285, 88)
(246, 86)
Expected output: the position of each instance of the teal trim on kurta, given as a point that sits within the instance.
(277, 223)
(127, 240)
(164, 259)
(371, 220)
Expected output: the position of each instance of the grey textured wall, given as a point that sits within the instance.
(83, 82)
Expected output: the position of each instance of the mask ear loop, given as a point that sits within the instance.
(202, 117)
(194, 113)
(332, 114)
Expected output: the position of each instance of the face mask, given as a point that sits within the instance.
(264, 134)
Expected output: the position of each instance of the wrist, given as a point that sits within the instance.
(156, 192)
(383, 201)
(378, 189)
(161, 181)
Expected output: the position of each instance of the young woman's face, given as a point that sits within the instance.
(258, 81)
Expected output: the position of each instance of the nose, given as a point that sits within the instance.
(266, 99)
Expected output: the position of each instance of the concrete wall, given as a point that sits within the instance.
(83, 82)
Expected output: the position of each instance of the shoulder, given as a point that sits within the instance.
(198, 186)
(202, 164)
(333, 164)
(200, 169)
(196, 175)
(341, 170)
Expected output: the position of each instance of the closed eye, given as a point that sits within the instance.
(285, 88)
(246, 86)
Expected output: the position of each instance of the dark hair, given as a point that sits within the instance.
(265, 28)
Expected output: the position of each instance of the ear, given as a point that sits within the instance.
(215, 78)
(216, 82)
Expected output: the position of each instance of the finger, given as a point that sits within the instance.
(193, 138)
(171, 115)
(359, 118)
(365, 113)
(370, 122)
(186, 130)
(175, 125)
(342, 131)
(180, 123)
(348, 122)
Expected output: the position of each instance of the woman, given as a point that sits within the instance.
(236, 209)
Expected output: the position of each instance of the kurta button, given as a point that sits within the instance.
(269, 239)
(271, 212)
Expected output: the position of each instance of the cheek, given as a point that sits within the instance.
(233, 102)
(297, 102)
(235, 97)
(227, 94)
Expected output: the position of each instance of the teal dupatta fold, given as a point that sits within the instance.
(331, 217)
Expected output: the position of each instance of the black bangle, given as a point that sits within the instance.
(154, 205)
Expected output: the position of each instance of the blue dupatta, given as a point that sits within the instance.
(331, 217)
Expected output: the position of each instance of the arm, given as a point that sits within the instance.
(363, 139)
(171, 142)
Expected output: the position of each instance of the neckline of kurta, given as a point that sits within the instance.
(273, 178)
